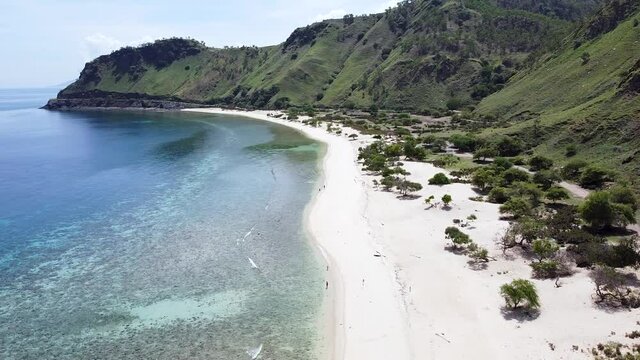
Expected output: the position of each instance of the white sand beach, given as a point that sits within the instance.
(396, 293)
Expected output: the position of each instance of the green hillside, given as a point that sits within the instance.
(421, 55)
(585, 95)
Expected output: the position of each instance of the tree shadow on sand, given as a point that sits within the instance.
(476, 265)
(520, 314)
(408, 197)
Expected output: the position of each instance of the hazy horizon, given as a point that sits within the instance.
(48, 42)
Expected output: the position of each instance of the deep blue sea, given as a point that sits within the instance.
(136, 235)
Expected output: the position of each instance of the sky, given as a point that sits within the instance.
(47, 42)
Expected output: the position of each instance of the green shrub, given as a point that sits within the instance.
(556, 194)
(600, 211)
(405, 187)
(439, 179)
(621, 194)
(514, 175)
(520, 292)
(465, 143)
(502, 163)
(527, 190)
(499, 195)
(544, 248)
(540, 163)
(483, 179)
(546, 178)
(570, 151)
(573, 169)
(593, 177)
(508, 146)
(457, 237)
(516, 206)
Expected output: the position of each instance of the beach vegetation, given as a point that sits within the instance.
(483, 179)
(507, 239)
(517, 207)
(573, 169)
(528, 229)
(594, 177)
(513, 175)
(429, 200)
(544, 249)
(478, 253)
(546, 179)
(457, 237)
(412, 150)
(447, 199)
(600, 212)
(502, 163)
(539, 162)
(570, 150)
(406, 187)
(464, 143)
(498, 195)
(611, 288)
(485, 153)
(439, 179)
(520, 292)
(388, 182)
(556, 194)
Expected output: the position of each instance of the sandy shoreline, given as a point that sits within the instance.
(417, 300)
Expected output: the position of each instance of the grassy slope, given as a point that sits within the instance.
(579, 104)
(392, 60)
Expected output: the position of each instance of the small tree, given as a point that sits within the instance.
(610, 286)
(507, 240)
(405, 187)
(499, 195)
(429, 200)
(597, 210)
(529, 229)
(514, 175)
(446, 199)
(388, 182)
(546, 178)
(456, 236)
(439, 179)
(540, 163)
(621, 194)
(586, 57)
(573, 169)
(483, 179)
(544, 249)
(517, 206)
(486, 152)
(520, 292)
(570, 151)
(478, 253)
(556, 194)
(593, 177)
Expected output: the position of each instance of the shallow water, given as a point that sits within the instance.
(137, 235)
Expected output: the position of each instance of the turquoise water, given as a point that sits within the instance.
(128, 235)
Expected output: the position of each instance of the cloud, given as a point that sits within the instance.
(333, 14)
(389, 4)
(98, 44)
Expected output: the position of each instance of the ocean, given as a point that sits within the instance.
(159, 235)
